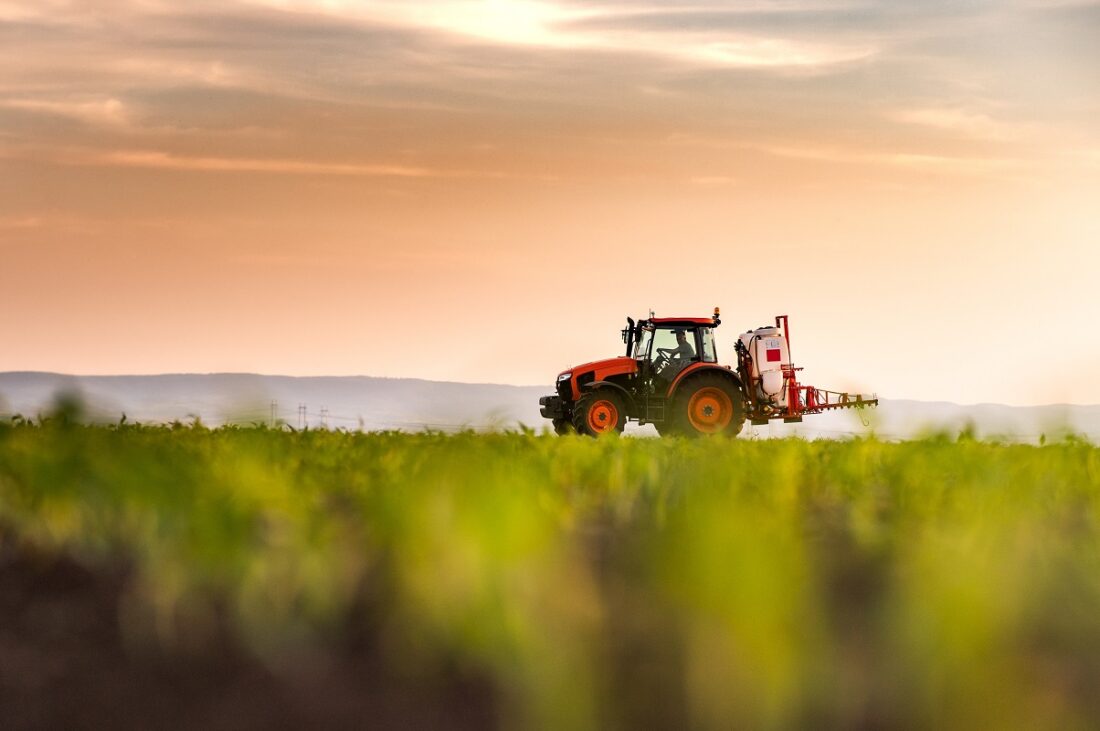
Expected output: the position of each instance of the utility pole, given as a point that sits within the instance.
(274, 406)
(301, 416)
(324, 417)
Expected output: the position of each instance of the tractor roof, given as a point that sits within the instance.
(681, 321)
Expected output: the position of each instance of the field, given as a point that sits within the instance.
(247, 578)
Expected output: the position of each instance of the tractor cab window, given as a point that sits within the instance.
(664, 341)
(677, 343)
(710, 354)
(673, 350)
(646, 337)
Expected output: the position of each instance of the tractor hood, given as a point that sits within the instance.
(598, 370)
(606, 367)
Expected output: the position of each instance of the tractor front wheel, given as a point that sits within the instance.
(599, 412)
(708, 405)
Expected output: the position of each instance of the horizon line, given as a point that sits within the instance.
(469, 383)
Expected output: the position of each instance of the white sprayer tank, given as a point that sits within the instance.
(768, 348)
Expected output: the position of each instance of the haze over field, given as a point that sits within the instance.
(466, 190)
(372, 404)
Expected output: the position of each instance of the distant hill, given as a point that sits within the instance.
(218, 398)
(362, 402)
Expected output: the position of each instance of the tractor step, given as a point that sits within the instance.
(655, 409)
(759, 422)
(792, 420)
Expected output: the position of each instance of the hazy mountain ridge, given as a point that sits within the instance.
(217, 398)
(372, 403)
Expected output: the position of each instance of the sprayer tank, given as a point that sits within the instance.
(770, 354)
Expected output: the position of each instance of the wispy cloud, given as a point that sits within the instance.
(915, 161)
(160, 160)
(556, 25)
(852, 155)
(168, 161)
(15, 11)
(1055, 4)
(1090, 156)
(971, 124)
(511, 88)
(207, 72)
(163, 160)
(712, 180)
(20, 222)
(101, 111)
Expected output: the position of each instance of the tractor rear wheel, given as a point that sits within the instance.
(707, 405)
(599, 412)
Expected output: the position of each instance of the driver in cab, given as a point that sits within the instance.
(682, 353)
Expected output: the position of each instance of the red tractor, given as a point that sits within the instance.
(670, 377)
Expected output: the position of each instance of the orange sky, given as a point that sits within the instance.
(482, 191)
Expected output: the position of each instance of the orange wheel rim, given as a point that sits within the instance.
(603, 417)
(710, 410)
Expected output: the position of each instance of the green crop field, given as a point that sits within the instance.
(529, 581)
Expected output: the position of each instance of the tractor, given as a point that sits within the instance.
(670, 377)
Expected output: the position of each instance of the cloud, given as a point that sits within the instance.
(969, 124)
(443, 88)
(14, 11)
(160, 160)
(20, 222)
(918, 162)
(167, 161)
(103, 111)
(556, 25)
(1059, 4)
(839, 154)
(175, 71)
(1089, 156)
(712, 180)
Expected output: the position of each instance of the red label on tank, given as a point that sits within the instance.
(774, 354)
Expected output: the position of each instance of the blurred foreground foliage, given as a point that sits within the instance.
(624, 583)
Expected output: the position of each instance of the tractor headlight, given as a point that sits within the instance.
(565, 376)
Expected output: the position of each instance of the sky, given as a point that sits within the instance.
(483, 190)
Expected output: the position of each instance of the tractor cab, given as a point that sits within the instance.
(665, 346)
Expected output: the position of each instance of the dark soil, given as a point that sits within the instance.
(64, 664)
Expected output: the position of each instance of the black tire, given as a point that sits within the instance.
(563, 427)
(697, 409)
(600, 412)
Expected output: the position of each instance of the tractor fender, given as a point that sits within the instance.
(698, 368)
(630, 406)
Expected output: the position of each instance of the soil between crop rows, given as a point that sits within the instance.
(64, 663)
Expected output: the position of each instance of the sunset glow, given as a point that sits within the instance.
(483, 190)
